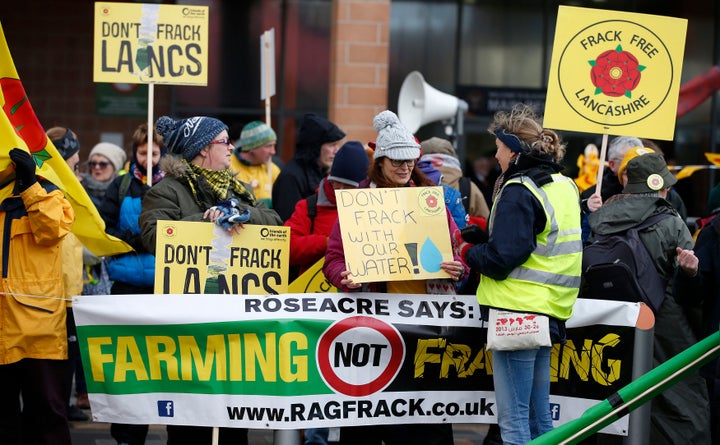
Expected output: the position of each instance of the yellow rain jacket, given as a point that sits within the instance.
(32, 309)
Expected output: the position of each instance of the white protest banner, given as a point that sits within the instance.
(323, 360)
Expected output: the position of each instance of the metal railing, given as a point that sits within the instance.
(635, 394)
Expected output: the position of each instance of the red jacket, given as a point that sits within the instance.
(308, 239)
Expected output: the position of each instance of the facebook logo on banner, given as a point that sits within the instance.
(166, 408)
(555, 411)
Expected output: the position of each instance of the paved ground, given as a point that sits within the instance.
(95, 433)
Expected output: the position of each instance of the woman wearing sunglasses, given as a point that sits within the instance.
(105, 162)
(394, 165)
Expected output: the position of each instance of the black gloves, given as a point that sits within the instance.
(473, 234)
(24, 170)
(134, 240)
(466, 238)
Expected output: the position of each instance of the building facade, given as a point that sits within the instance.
(347, 59)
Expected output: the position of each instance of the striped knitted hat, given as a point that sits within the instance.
(187, 137)
(256, 134)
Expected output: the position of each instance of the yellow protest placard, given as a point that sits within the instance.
(615, 73)
(151, 43)
(203, 258)
(394, 234)
(312, 281)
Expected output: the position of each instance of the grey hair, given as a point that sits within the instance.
(620, 145)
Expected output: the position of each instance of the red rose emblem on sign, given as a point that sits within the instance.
(615, 73)
(431, 201)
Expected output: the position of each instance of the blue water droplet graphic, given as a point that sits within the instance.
(430, 256)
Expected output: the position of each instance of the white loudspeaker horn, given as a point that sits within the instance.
(420, 104)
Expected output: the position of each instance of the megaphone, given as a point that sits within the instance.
(420, 104)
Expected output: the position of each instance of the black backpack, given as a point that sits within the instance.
(464, 189)
(312, 210)
(618, 267)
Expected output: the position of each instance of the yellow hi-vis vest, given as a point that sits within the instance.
(549, 280)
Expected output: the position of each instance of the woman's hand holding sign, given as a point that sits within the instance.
(454, 268)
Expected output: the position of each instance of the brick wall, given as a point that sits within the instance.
(359, 65)
(51, 43)
(52, 46)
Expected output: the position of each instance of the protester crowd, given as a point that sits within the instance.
(517, 231)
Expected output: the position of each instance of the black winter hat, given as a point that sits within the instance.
(316, 130)
(350, 165)
(67, 145)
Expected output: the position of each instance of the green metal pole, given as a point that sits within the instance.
(634, 394)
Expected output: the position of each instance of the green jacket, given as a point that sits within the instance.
(172, 199)
(625, 211)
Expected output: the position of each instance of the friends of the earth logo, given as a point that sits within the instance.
(169, 231)
(626, 72)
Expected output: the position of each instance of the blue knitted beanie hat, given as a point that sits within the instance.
(187, 137)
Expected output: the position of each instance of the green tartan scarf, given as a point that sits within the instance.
(220, 182)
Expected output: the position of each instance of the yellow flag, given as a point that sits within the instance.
(688, 170)
(588, 164)
(713, 157)
(20, 127)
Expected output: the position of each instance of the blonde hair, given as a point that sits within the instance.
(56, 133)
(523, 122)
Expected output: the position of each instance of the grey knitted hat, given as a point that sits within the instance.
(394, 141)
(188, 136)
(67, 145)
(112, 152)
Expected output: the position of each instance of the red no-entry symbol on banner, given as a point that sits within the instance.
(359, 356)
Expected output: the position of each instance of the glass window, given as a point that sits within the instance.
(302, 64)
(422, 38)
(501, 44)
